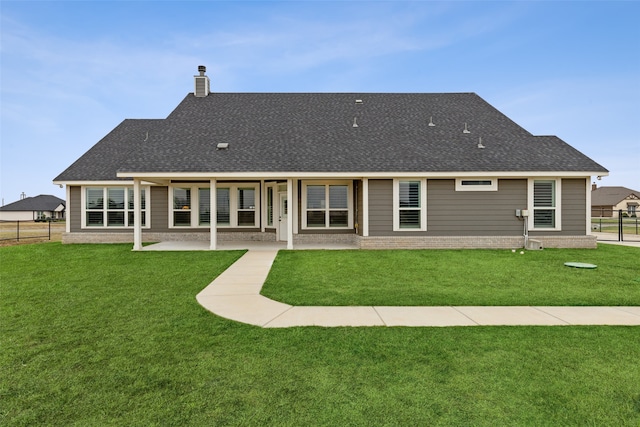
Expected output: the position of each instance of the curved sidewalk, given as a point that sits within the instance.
(235, 295)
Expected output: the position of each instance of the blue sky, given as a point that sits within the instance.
(71, 71)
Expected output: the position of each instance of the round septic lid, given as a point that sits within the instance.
(580, 265)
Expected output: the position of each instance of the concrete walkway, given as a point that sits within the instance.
(235, 295)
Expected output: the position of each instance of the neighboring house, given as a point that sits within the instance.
(378, 170)
(40, 207)
(608, 201)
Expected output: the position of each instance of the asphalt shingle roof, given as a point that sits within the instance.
(610, 196)
(43, 202)
(314, 132)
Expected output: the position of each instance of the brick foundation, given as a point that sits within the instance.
(378, 242)
(251, 236)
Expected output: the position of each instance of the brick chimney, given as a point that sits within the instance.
(201, 82)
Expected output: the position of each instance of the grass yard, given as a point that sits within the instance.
(97, 335)
(456, 277)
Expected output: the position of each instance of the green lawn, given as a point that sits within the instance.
(456, 277)
(95, 335)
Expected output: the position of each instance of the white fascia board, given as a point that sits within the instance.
(105, 183)
(154, 176)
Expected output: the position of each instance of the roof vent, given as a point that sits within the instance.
(480, 145)
(466, 130)
(355, 123)
(222, 145)
(431, 121)
(201, 83)
(359, 101)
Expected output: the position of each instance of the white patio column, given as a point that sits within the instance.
(263, 206)
(213, 217)
(137, 216)
(365, 207)
(290, 202)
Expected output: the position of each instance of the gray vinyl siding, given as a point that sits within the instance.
(74, 207)
(454, 213)
(475, 213)
(574, 201)
(358, 198)
(380, 207)
(160, 210)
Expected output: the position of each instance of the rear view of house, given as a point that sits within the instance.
(377, 170)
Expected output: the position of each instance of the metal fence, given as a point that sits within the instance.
(617, 223)
(22, 230)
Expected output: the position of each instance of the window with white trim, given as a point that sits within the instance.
(204, 206)
(327, 205)
(223, 207)
(236, 206)
(477, 184)
(409, 205)
(544, 196)
(116, 212)
(182, 207)
(246, 205)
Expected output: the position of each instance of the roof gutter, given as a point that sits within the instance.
(371, 175)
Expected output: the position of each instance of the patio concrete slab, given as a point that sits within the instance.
(327, 316)
(595, 315)
(423, 316)
(509, 316)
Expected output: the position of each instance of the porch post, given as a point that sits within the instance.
(291, 202)
(137, 219)
(213, 217)
(263, 206)
(365, 207)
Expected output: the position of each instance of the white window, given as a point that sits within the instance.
(182, 207)
(116, 212)
(409, 205)
(544, 197)
(327, 205)
(477, 184)
(246, 206)
(223, 207)
(237, 206)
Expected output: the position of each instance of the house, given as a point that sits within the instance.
(376, 170)
(36, 208)
(609, 201)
